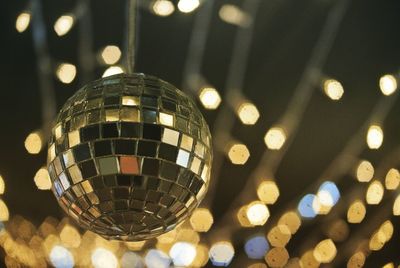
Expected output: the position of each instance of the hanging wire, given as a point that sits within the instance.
(131, 33)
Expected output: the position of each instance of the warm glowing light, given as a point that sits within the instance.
(277, 257)
(113, 70)
(357, 260)
(279, 236)
(392, 179)
(157, 259)
(63, 24)
(291, 220)
(188, 235)
(2, 185)
(221, 253)
(103, 258)
(396, 206)
(306, 206)
(256, 247)
(70, 236)
(375, 193)
(374, 137)
(377, 241)
(111, 54)
(131, 259)
(42, 179)
(242, 217)
(248, 113)
(317, 205)
(233, 15)
(257, 213)
(201, 220)
(268, 192)
(365, 171)
(333, 89)
(66, 73)
(328, 194)
(388, 84)
(356, 212)
(4, 214)
(325, 251)
(33, 143)
(308, 260)
(61, 257)
(187, 6)
(163, 8)
(182, 253)
(238, 154)
(388, 265)
(22, 22)
(168, 238)
(387, 229)
(275, 138)
(201, 256)
(210, 98)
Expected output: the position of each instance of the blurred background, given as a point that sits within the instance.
(300, 96)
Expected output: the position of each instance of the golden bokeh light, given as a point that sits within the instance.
(233, 15)
(2, 185)
(374, 137)
(112, 70)
(238, 154)
(275, 138)
(279, 236)
(308, 260)
(388, 265)
(333, 89)
(34, 143)
(377, 240)
(66, 72)
(325, 251)
(187, 6)
(22, 22)
(248, 113)
(201, 258)
(392, 179)
(168, 238)
(357, 260)
(268, 192)
(356, 212)
(365, 171)
(188, 235)
(222, 253)
(4, 214)
(201, 220)
(291, 220)
(42, 179)
(387, 229)
(257, 213)
(111, 54)
(388, 84)
(375, 193)
(277, 257)
(70, 236)
(163, 8)
(396, 206)
(242, 217)
(63, 24)
(319, 207)
(210, 98)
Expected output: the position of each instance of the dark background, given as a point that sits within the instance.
(366, 47)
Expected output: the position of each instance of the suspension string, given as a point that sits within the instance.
(131, 29)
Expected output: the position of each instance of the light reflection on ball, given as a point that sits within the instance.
(129, 157)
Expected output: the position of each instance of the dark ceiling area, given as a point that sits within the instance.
(285, 35)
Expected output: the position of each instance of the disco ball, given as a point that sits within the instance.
(129, 157)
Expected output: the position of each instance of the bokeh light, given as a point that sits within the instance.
(308, 260)
(374, 137)
(112, 70)
(163, 8)
(268, 192)
(201, 256)
(291, 220)
(248, 113)
(34, 143)
(396, 206)
(357, 260)
(66, 72)
(61, 257)
(42, 179)
(210, 98)
(279, 236)
(388, 84)
(157, 259)
(238, 154)
(392, 179)
(233, 15)
(305, 206)
(182, 254)
(375, 193)
(103, 258)
(333, 89)
(70, 236)
(365, 171)
(201, 220)
(187, 6)
(221, 253)
(22, 22)
(356, 212)
(325, 251)
(111, 54)
(256, 247)
(328, 194)
(257, 213)
(275, 138)
(277, 257)
(131, 260)
(4, 213)
(63, 24)
(2, 185)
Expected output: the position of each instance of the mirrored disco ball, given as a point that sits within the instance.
(129, 157)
